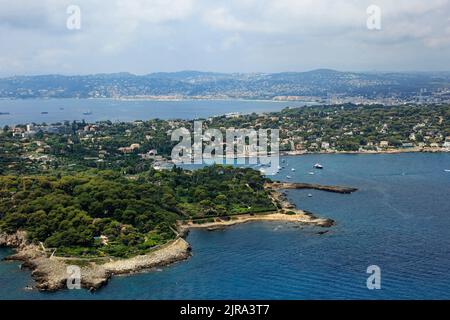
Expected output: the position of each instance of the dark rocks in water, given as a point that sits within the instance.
(327, 223)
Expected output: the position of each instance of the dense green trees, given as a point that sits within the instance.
(71, 212)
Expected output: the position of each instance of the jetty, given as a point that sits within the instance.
(313, 186)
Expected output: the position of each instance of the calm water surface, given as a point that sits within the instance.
(58, 110)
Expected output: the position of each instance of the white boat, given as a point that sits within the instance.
(447, 170)
(292, 169)
(311, 173)
(318, 166)
(309, 195)
(289, 177)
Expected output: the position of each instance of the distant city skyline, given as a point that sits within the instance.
(235, 36)
(362, 72)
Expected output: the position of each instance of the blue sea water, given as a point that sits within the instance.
(399, 220)
(58, 110)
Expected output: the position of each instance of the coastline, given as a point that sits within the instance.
(50, 271)
(298, 216)
(359, 152)
(387, 151)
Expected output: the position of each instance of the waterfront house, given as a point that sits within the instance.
(447, 143)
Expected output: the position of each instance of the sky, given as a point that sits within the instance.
(145, 36)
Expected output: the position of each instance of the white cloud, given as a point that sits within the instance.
(260, 35)
(231, 41)
(154, 11)
(412, 18)
(221, 18)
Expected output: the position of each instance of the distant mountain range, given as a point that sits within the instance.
(322, 83)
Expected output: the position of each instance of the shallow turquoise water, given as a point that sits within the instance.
(399, 220)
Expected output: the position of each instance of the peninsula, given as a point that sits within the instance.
(132, 248)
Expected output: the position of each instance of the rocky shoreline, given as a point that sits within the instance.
(298, 216)
(387, 151)
(50, 272)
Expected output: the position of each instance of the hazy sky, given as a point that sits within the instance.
(143, 36)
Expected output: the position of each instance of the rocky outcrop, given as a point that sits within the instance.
(16, 240)
(295, 216)
(325, 223)
(51, 273)
(312, 186)
(174, 251)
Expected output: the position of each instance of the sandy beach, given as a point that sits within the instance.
(297, 216)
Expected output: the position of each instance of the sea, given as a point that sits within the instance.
(397, 221)
(49, 111)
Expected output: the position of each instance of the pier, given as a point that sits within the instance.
(298, 185)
